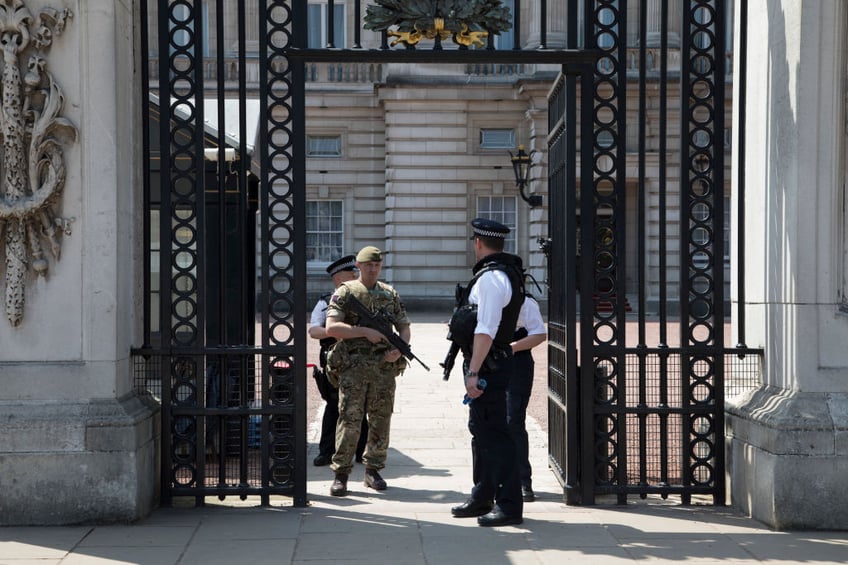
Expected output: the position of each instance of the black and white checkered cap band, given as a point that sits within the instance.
(489, 233)
(344, 266)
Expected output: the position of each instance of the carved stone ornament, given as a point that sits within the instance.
(32, 164)
(467, 22)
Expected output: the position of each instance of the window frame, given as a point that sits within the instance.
(311, 136)
(482, 135)
(339, 25)
(318, 262)
(511, 240)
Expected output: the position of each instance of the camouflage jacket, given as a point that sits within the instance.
(359, 351)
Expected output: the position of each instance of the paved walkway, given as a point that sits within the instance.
(428, 471)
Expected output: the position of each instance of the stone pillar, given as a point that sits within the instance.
(556, 22)
(76, 445)
(655, 23)
(787, 442)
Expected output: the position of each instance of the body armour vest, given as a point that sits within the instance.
(511, 265)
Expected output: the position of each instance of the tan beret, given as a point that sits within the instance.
(369, 253)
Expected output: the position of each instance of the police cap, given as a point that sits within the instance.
(346, 263)
(484, 227)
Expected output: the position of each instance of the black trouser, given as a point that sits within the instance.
(517, 398)
(495, 466)
(327, 443)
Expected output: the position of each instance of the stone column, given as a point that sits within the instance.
(655, 23)
(76, 445)
(556, 22)
(787, 442)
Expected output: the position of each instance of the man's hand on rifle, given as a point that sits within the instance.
(392, 355)
(371, 334)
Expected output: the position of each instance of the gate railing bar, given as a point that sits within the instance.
(685, 190)
(663, 250)
(165, 251)
(718, 190)
(562, 56)
(586, 269)
(741, 104)
(145, 175)
(543, 24)
(331, 24)
(516, 27)
(265, 164)
(298, 96)
(247, 309)
(641, 222)
(357, 24)
(220, 171)
(297, 190)
(621, 243)
(200, 210)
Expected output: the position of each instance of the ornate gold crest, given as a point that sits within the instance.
(466, 22)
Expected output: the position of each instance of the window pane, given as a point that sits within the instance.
(324, 233)
(314, 28)
(506, 39)
(501, 209)
(339, 25)
(497, 138)
(323, 146)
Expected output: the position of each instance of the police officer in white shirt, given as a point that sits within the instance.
(497, 290)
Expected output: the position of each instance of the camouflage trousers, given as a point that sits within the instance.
(362, 387)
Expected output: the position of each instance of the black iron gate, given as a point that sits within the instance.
(225, 340)
(632, 409)
(225, 277)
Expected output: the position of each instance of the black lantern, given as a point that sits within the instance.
(521, 167)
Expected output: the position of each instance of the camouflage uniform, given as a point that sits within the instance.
(364, 378)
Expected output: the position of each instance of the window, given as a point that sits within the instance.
(317, 21)
(502, 209)
(324, 231)
(323, 146)
(497, 139)
(506, 39)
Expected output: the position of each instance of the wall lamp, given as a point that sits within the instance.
(521, 167)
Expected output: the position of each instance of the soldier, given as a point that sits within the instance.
(366, 366)
(341, 270)
(484, 335)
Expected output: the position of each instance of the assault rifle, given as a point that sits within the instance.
(450, 359)
(454, 350)
(383, 324)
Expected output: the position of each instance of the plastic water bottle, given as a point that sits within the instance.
(481, 384)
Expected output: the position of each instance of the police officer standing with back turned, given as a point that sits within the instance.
(342, 270)
(497, 290)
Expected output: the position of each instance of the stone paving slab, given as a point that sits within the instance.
(428, 471)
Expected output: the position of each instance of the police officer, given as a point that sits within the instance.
(529, 333)
(341, 270)
(497, 290)
(366, 366)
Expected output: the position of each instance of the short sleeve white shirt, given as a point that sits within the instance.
(319, 313)
(530, 317)
(491, 293)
